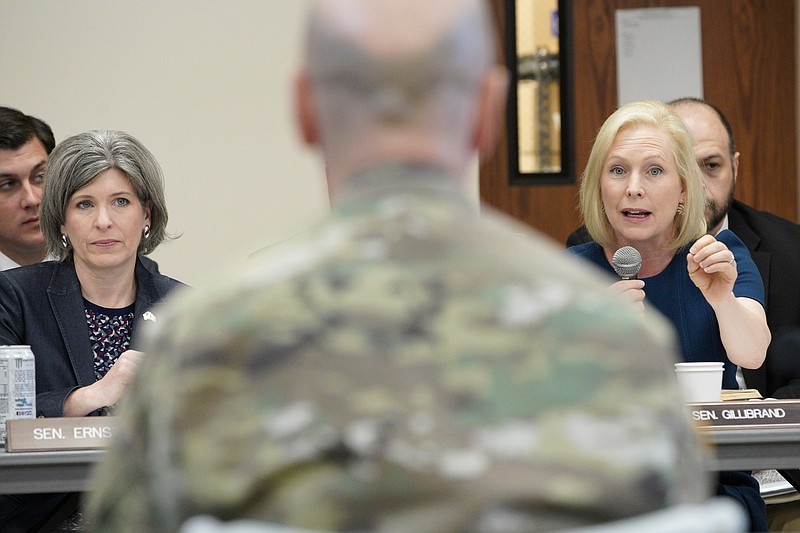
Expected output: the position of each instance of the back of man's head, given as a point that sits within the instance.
(690, 102)
(397, 69)
(17, 128)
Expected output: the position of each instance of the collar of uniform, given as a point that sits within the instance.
(393, 179)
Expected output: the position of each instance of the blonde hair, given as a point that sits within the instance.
(691, 224)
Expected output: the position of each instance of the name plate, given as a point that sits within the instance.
(749, 414)
(53, 434)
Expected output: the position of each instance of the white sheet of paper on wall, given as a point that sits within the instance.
(659, 54)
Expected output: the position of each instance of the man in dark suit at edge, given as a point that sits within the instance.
(774, 242)
(774, 245)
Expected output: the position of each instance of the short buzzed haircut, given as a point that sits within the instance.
(358, 83)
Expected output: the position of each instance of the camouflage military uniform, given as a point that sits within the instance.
(408, 365)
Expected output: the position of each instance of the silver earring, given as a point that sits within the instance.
(680, 208)
(64, 242)
(146, 232)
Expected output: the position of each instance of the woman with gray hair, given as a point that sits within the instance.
(102, 209)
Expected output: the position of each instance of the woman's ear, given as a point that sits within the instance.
(305, 109)
(493, 93)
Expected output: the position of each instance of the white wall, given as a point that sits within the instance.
(204, 84)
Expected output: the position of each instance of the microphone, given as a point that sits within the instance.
(626, 262)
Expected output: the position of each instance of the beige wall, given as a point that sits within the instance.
(203, 83)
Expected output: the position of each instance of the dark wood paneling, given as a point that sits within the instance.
(748, 71)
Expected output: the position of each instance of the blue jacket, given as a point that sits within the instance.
(41, 305)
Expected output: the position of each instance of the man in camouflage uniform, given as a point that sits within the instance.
(409, 365)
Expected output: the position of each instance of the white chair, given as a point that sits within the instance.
(717, 515)
(210, 524)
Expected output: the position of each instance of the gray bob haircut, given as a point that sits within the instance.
(78, 160)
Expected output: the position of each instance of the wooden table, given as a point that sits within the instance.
(755, 448)
(739, 448)
(38, 472)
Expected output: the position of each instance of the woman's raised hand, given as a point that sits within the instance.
(712, 268)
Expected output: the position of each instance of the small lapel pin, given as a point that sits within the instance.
(149, 316)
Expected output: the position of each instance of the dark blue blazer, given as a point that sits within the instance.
(41, 305)
(774, 245)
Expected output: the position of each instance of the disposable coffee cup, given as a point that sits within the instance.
(699, 382)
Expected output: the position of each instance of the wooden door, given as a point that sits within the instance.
(748, 72)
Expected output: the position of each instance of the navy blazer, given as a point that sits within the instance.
(41, 305)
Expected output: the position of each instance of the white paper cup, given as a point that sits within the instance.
(699, 382)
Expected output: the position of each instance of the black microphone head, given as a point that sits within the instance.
(626, 262)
